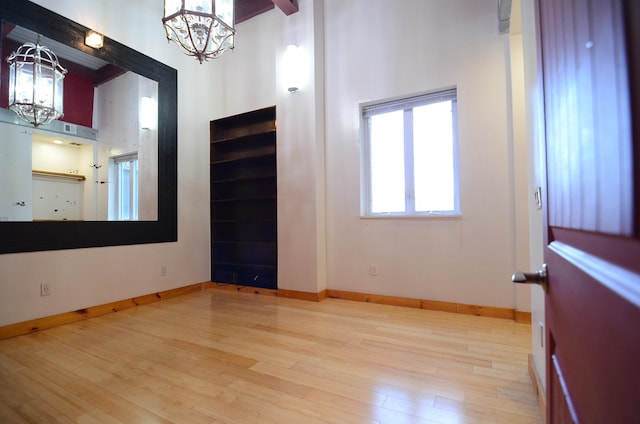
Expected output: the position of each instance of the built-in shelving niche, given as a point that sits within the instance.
(244, 199)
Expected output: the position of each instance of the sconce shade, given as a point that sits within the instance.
(293, 69)
(148, 113)
(202, 28)
(36, 84)
(94, 39)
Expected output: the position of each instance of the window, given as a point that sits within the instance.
(410, 156)
(126, 187)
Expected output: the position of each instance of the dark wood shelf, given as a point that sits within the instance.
(244, 199)
(243, 184)
(243, 179)
(242, 242)
(246, 265)
(247, 137)
(240, 221)
(243, 157)
(237, 126)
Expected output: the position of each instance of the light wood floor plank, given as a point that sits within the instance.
(218, 356)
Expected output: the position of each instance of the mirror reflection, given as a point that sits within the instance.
(99, 162)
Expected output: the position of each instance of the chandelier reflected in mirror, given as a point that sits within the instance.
(36, 84)
(202, 28)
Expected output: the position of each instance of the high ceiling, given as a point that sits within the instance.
(247, 9)
(98, 70)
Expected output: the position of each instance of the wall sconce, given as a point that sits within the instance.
(292, 68)
(148, 113)
(202, 28)
(36, 84)
(94, 39)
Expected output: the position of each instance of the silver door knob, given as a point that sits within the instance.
(540, 277)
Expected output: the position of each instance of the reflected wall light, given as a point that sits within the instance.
(292, 68)
(94, 39)
(148, 113)
(202, 28)
(36, 84)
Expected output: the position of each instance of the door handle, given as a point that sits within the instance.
(540, 277)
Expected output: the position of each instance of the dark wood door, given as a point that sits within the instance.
(589, 52)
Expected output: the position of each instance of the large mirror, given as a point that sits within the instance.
(99, 161)
(58, 182)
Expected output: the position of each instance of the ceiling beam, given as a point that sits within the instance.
(247, 9)
(287, 6)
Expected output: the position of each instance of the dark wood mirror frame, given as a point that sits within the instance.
(41, 236)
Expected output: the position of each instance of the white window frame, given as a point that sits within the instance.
(407, 104)
(133, 189)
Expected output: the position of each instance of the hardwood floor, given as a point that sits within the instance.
(217, 356)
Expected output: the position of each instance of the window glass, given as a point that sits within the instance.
(126, 187)
(433, 149)
(387, 162)
(410, 156)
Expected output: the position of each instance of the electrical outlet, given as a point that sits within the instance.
(45, 289)
(163, 271)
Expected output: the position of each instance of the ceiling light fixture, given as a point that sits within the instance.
(36, 84)
(202, 28)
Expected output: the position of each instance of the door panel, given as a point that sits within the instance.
(589, 156)
(588, 52)
(592, 319)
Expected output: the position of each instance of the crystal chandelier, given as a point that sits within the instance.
(203, 28)
(35, 84)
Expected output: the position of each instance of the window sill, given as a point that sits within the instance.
(426, 216)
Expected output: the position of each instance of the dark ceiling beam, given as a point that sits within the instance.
(107, 73)
(7, 27)
(247, 9)
(287, 6)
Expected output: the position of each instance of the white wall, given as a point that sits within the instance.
(86, 277)
(15, 174)
(520, 150)
(535, 139)
(378, 50)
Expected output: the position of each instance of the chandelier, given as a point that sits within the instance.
(202, 28)
(35, 84)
